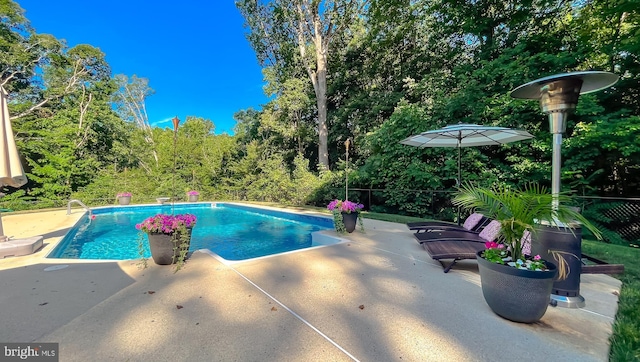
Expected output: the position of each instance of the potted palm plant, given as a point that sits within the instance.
(515, 284)
(169, 238)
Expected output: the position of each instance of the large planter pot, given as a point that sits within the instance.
(515, 294)
(349, 220)
(193, 198)
(124, 200)
(165, 248)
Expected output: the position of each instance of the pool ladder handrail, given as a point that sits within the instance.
(79, 203)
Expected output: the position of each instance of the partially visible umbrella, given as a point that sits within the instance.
(11, 172)
(466, 135)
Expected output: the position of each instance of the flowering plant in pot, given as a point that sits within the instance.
(169, 238)
(519, 213)
(193, 195)
(123, 198)
(345, 214)
(499, 254)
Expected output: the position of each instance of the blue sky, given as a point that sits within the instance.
(193, 52)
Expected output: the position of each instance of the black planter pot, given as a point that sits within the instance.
(350, 220)
(569, 243)
(516, 294)
(165, 248)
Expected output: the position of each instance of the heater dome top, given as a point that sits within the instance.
(592, 81)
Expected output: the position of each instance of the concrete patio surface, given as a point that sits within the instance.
(377, 296)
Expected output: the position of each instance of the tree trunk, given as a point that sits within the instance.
(318, 76)
(321, 96)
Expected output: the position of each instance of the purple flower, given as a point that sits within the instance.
(345, 206)
(167, 224)
(193, 193)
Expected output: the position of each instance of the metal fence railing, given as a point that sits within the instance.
(617, 217)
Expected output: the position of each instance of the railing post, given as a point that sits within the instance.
(433, 203)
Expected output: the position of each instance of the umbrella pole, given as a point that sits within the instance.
(459, 178)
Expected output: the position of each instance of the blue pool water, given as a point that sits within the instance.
(233, 232)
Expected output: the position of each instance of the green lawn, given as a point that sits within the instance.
(625, 341)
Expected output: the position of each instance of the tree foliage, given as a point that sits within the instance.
(374, 72)
(393, 69)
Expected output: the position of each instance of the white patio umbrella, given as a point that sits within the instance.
(466, 135)
(11, 172)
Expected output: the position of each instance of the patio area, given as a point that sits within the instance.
(376, 297)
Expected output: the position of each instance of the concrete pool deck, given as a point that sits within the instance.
(376, 297)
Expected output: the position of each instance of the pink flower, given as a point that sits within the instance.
(537, 257)
(345, 206)
(163, 223)
(93, 217)
(492, 245)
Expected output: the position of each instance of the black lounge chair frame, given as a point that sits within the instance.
(453, 244)
(425, 226)
(452, 249)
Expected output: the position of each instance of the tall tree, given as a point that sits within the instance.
(288, 113)
(129, 101)
(279, 27)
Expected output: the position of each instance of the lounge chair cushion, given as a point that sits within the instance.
(472, 221)
(491, 231)
(526, 242)
(475, 222)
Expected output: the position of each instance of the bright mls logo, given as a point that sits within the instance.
(29, 352)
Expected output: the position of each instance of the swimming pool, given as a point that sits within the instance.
(234, 232)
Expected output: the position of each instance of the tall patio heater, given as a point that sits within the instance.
(558, 95)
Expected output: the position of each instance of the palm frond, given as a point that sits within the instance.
(519, 210)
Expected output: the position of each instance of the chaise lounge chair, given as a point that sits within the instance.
(456, 244)
(475, 222)
(488, 233)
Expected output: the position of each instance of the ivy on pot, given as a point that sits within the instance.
(178, 227)
(337, 207)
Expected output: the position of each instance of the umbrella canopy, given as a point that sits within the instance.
(11, 172)
(466, 135)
